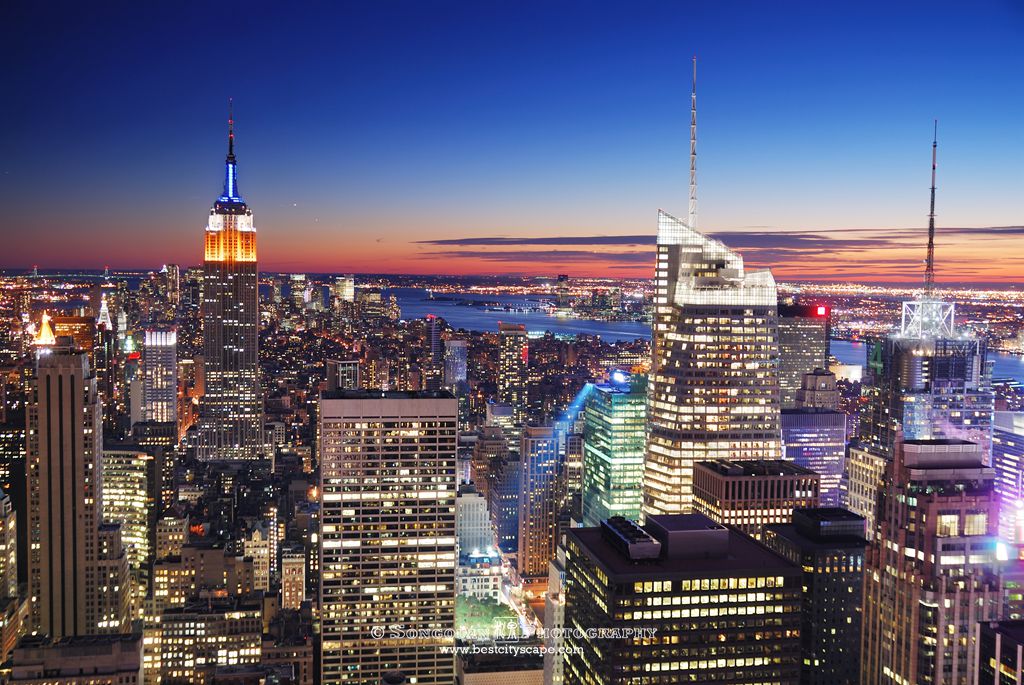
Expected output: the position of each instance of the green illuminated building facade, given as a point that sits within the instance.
(613, 449)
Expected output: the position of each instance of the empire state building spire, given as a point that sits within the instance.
(230, 197)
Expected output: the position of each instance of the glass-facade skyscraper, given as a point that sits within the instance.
(231, 412)
(714, 383)
(614, 421)
(803, 346)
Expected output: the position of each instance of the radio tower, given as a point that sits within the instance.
(929, 269)
(692, 220)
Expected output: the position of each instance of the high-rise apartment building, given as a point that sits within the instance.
(160, 375)
(1008, 462)
(722, 607)
(513, 363)
(614, 440)
(828, 544)
(748, 495)
(78, 573)
(714, 385)
(803, 346)
(931, 573)
(231, 412)
(388, 487)
(540, 499)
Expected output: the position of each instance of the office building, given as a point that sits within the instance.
(298, 291)
(614, 440)
(748, 495)
(1000, 653)
(931, 573)
(78, 573)
(540, 498)
(1008, 462)
(803, 346)
(828, 544)
(455, 361)
(80, 660)
(816, 439)
(231, 411)
(513, 364)
(723, 607)
(258, 545)
(714, 385)
(505, 476)
(160, 376)
(8, 547)
(344, 288)
(930, 380)
(343, 374)
(818, 390)
(472, 522)
(387, 534)
(131, 497)
(865, 469)
(490, 444)
(202, 636)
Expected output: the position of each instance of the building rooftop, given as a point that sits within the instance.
(708, 550)
(350, 394)
(755, 467)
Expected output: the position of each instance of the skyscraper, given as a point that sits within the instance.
(714, 383)
(388, 484)
(931, 575)
(828, 544)
(514, 354)
(78, 573)
(131, 496)
(803, 346)
(455, 360)
(814, 433)
(540, 498)
(714, 390)
(160, 376)
(231, 417)
(1008, 462)
(8, 547)
(613, 449)
(930, 380)
(722, 607)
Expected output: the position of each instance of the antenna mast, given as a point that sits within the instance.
(693, 149)
(929, 271)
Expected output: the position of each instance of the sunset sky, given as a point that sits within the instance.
(507, 137)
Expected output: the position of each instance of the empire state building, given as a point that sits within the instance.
(231, 412)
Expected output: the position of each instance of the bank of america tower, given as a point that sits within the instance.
(714, 387)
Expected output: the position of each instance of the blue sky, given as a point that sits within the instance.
(365, 128)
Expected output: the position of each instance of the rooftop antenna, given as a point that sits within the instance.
(231, 129)
(929, 270)
(693, 149)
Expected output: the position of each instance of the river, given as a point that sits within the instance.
(415, 305)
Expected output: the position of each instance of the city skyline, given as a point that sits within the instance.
(489, 160)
